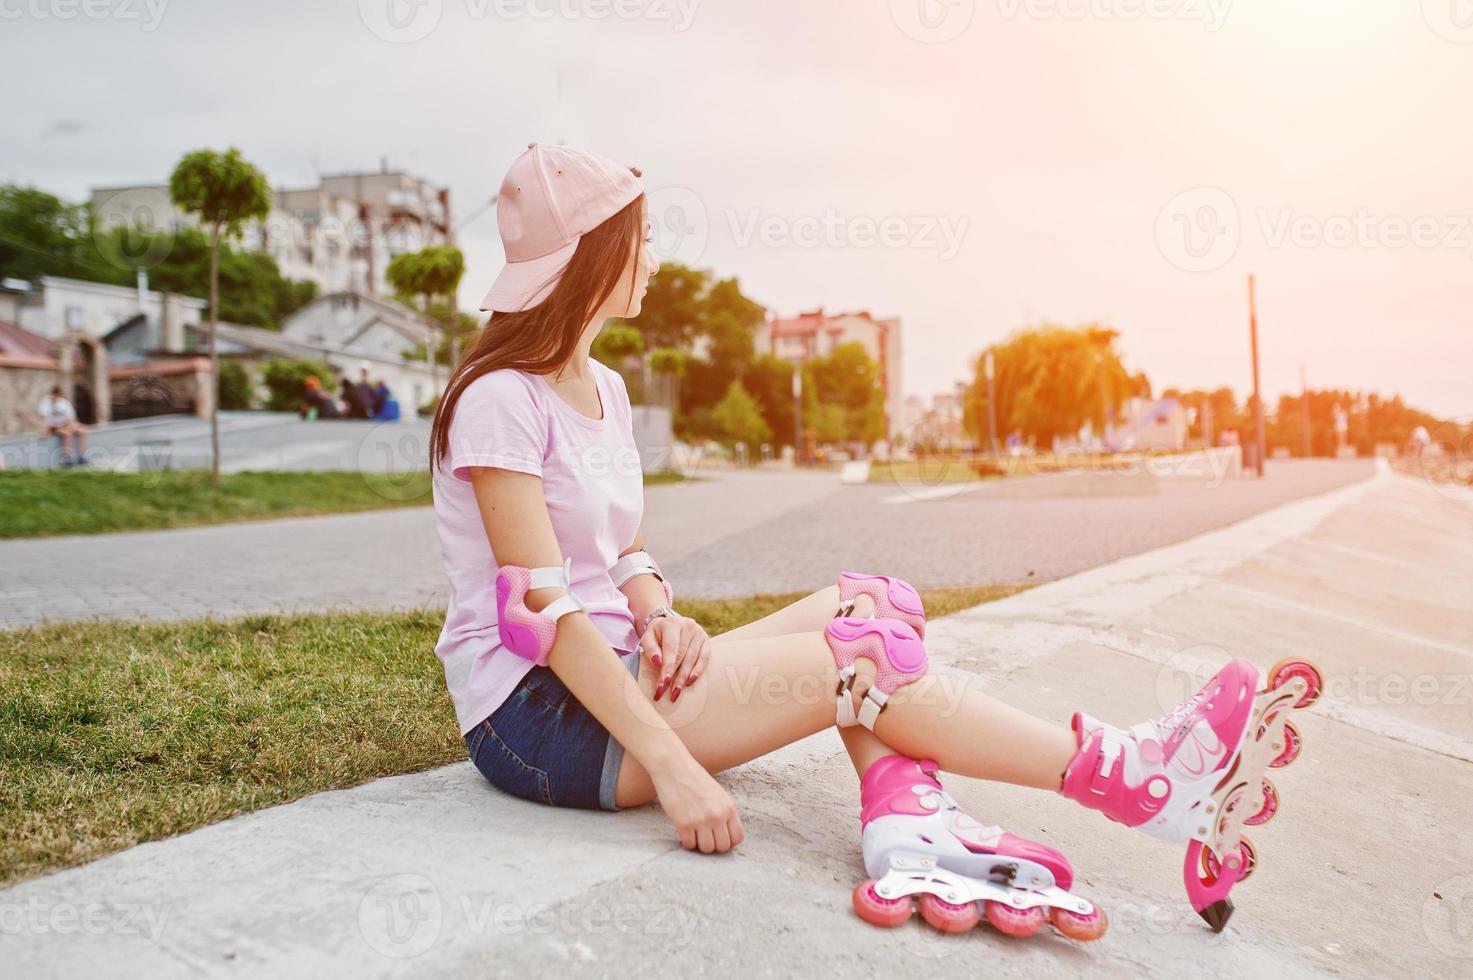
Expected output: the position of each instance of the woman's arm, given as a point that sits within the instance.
(678, 646)
(514, 513)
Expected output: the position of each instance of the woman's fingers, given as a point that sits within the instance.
(669, 637)
(706, 840)
(734, 829)
(700, 659)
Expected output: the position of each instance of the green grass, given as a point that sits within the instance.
(42, 503)
(116, 733)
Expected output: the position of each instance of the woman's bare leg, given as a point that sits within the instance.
(810, 613)
(759, 694)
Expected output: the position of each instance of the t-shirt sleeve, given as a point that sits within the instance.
(500, 424)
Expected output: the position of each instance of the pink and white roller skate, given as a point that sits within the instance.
(916, 842)
(1197, 774)
(894, 598)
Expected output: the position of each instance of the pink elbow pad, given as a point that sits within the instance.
(526, 633)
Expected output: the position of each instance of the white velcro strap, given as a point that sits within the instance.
(561, 606)
(874, 703)
(845, 718)
(635, 563)
(556, 577)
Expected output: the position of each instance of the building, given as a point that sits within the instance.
(340, 234)
(346, 329)
(1147, 424)
(29, 367)
(816, 334)
(53, 306)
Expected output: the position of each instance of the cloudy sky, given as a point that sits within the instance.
(971, 166)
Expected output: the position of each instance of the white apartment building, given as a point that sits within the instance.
(816, 334)
(340, 234)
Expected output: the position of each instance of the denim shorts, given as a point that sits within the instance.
(543, 745)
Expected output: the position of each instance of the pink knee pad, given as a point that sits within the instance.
(529, 634)
(894, 598)
(891, 645)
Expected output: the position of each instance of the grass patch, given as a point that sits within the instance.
(42, 503)
(112, 734)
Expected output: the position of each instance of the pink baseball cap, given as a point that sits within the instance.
(551, 197)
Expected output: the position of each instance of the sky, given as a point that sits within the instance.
(970, 166)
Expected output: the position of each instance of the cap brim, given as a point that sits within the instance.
(522, 285)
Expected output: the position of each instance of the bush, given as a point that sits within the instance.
(234, 387)
(737, 419)
(286, 381)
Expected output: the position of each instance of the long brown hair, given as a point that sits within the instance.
(543, 338)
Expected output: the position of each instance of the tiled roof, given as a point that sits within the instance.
(18, 345)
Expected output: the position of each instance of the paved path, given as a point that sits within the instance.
(732, 534)
(1366, 873)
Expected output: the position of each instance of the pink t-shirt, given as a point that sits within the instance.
(594, 488)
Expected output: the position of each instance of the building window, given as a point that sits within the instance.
(74, 318)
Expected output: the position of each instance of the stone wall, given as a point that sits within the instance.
(21, 390)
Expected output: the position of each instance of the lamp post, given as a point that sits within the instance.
(1258, 439)
(989, 369)
(797, 412)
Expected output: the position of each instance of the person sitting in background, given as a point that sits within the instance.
(59, 419)
(316, 403)
(379, 398)
(354, 400)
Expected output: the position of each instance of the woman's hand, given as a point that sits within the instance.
(678, 647)
(703, 813)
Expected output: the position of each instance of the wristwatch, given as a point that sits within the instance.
(655, 614)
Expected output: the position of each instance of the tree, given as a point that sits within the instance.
(842, 398)
(770, 380)
(234, 393)
(40, 234)
(431, 273)
(225, 192)
(673, 307)
(1051, 380)
(286, 381)
(737, 419)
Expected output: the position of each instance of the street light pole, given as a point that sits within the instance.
(1304, 402)
(797, 412)
(1258, 440)
(991, 404)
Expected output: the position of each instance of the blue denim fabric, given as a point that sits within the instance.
(543, 745)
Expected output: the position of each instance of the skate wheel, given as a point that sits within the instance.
(1080, 927)
(1270, 806)
(1212, 867)
(1286, 670)
(1293, 742)
(947, 917)
(879, 911)
(1014, 922)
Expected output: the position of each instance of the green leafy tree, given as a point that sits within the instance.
(1050, 381)
(431, 273)
(674, 306)
(770, 380)
(842, 397)
(737, 419)
(40, 234)
(225, 192)
(235, 387)
(285, 379)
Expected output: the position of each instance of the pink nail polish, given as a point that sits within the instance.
(675, 695)
(656, 659)
(691, 681)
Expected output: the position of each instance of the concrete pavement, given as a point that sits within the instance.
(730, 534)
(1367, 872)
